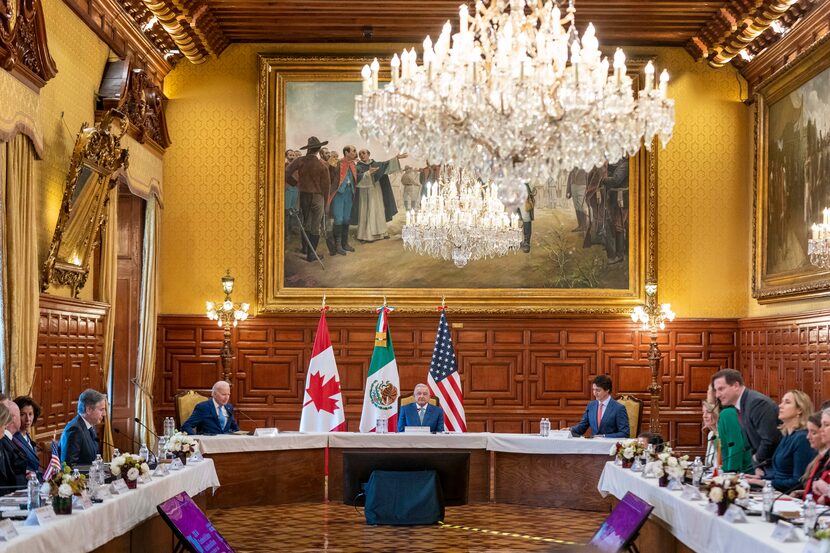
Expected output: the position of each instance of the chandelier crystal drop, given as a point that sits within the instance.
(514, 96)
(463, 220)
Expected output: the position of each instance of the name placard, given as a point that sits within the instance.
(82, 502)
(41, 516)
(7, 530)
(734, 514)
(119, 487)
(691, 493)
(784, 532)
(266, 432)
(416, 430)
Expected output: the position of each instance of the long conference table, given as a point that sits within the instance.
(509, 468)
(122, 523)
(678, 525)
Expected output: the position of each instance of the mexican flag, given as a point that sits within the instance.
(323, 401)
(380, 400)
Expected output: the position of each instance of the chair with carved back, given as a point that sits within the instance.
(411, 399)
(185, 403)
(634, 408)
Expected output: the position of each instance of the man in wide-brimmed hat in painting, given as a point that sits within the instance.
(313, 182)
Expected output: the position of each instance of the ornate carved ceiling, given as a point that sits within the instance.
(721, 32)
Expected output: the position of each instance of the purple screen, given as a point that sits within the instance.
(193, 525)
(621, 524)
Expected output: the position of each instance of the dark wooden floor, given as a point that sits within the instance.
(335, 527)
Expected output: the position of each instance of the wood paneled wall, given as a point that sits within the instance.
(514, 370)
(787, 352)
(70, 346)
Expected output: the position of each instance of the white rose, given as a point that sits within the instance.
(115, 469)
(716, 495)
(718, 480)
(65, 490)
(671, 461)
(741, 491)
(136, 457)
(145, 468)
(628, 453)
(132, 474)
(118, 461)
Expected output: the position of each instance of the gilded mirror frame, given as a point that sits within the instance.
(98, 150)
(274, 297)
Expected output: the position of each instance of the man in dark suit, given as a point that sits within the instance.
(420, 412)
(757, 414)
(214, 416)
(79, 441)
(604, 416)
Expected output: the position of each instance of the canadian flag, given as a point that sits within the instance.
(323, 401)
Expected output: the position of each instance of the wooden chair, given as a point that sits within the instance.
(634, 408)
(411, 399)
(185, 403)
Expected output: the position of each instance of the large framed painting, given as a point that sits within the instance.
(588, 238)
(792, 178)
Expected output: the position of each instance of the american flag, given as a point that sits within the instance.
(444, 381)
(54, 463)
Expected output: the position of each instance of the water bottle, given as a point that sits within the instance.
(162, 448)
(544, 428)
(169, 426)
(767, 495)
(809, 515)
(33, 492)
(144, 453)
(116, 452)
(381, 426)
(697, 471)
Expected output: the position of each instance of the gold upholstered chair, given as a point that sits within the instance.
(634, 408)
(185, 403)
(410, 399)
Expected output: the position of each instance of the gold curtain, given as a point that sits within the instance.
(109, 284)
(148, 310)
(21, 281)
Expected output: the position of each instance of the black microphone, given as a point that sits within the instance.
(244, 415)
(152, 464)
(137, 420)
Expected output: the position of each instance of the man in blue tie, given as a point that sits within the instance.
(420, 412)
(605, 417)
(214, 416)
(79, 441)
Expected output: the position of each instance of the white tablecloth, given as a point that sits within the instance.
(424, 441)
(232, 443)
(690, 523)
(117, 515)
(529, 443)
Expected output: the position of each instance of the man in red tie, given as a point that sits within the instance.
(604, 416)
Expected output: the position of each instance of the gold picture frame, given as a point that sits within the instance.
(273, 296)
(788, 190)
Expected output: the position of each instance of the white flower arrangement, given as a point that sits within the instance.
(627, 449)
(668, 464)
(181, 442)
(65, 490)
(132, 464)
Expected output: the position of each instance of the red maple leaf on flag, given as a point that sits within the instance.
(321, 393)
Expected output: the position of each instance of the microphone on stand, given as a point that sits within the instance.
(138, 421)
(247, 417)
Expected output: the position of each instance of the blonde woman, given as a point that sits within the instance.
(710, 423)
(793, 454)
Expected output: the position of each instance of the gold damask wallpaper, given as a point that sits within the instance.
(209, 217)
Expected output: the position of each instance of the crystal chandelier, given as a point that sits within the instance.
(514, 96)
(463, 220)
(818, 247)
